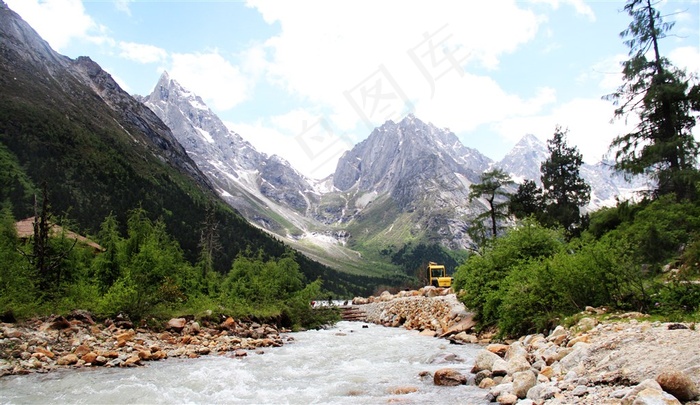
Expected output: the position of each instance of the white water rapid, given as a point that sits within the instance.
(347, 364)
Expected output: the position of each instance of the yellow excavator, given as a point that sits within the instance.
(437, 275)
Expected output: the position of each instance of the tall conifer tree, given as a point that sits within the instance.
(492, 189)
(660, 95)
(564, 189)
(527, 201)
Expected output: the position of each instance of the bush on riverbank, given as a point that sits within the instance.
(529, 279)
(145, 275)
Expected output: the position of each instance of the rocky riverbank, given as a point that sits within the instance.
(625, 360)
(434, 311)
(77, 341)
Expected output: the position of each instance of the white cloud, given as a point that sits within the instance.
(211, 77)
(323, 59)
(123, 6)
(336, 64)
(579, 5)
(606, 73)
(254, 60)
(687, 57)
(314, 145)
(57, 21)
(142, 53)
(582, 8)
(304, 140)
(466, 103)
(263, 137)
(682, 15)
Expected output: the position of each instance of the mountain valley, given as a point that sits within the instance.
(404, 189)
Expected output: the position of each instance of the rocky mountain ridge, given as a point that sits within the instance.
(20, 41)
(524, 159)
(266, 190)
(407, 182)
(250, 181)
(607, 186)
(392, 152)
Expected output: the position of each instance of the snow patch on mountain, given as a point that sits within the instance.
(206, 135)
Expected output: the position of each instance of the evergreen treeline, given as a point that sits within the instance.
(641, 256)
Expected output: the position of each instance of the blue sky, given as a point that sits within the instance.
(308, 79)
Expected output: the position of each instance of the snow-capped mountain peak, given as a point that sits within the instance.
(524, 160)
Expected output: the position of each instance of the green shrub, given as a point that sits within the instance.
(533, 294)
(273, 288)
(661, 229)
(607, 219)
(690, 258)
(680, 296)
(538, 293)
(18, 290)
(145, 276)
(298, 310)
(481, 277)
(120, 298)
(528, 301)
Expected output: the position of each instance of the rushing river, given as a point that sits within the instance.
(347, 364)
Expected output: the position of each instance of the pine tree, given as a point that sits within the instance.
(527, 201)
(44, 256)
(209, 245)
(662, 144)
(107, 265)
(564, 189)
(492, 190)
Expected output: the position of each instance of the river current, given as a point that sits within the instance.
(346, 364)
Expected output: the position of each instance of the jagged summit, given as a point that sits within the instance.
(99, 151)
(411, 172)
(407, 179)
(529, 140)
(393, 150)
(523, 161)
(247, 179)
(405, 172)
(528, 143)
(166, 85)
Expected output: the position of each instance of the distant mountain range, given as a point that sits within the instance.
(407, 183)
